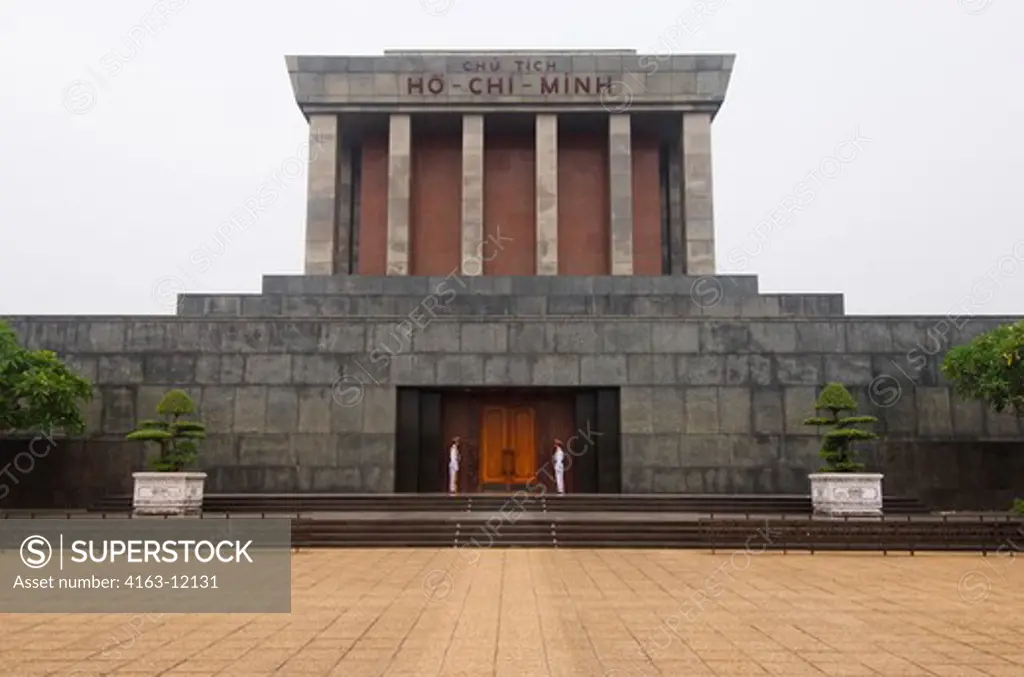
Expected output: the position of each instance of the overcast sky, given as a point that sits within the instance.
(113, 170)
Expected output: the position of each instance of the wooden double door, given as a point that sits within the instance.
(508, 446)
(506, 435)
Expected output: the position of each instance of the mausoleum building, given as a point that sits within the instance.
(509, 248)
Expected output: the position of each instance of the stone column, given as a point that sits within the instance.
(472, 194)
(399, 171)
(322, 195)
(698, 228)
(620, 179)
(547, 194)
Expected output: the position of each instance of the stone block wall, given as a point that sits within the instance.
(956, 474)
(297, 384)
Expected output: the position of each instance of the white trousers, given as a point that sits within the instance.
(453, 478)
(560, 478)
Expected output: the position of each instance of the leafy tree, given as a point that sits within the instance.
(37, 390)
(990, 368)
(177, 438)
(837, 451)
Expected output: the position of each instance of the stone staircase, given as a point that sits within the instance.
(473, 531)
(512, 503)
(701, 522)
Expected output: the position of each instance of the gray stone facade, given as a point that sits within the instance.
(298, 384)
(444, 80)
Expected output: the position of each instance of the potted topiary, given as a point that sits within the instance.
(170, 489)
(840, 488)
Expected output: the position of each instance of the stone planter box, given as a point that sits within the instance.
(841, 494)
(168, 493)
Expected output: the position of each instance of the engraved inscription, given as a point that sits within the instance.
(529, 83)
(496, 65)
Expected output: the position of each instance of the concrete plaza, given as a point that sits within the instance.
(614, 613)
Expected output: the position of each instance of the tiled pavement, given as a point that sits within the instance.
(614, 613)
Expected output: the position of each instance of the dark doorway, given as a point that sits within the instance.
(507, 438)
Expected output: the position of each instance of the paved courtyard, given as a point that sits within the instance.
(614, 613)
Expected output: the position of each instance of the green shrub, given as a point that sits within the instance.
(837, 449)
(177, 438)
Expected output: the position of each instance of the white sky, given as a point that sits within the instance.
(98, 207)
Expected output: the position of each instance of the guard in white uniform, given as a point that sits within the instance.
(558, 459)
(453, 466)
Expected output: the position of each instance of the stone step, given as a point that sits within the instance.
(507, 305)
(560, 285)
(476, 503)
(801, 534)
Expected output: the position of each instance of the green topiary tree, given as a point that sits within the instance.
(991, 369)
(178, 439)
(37, 390)
(837, 451)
